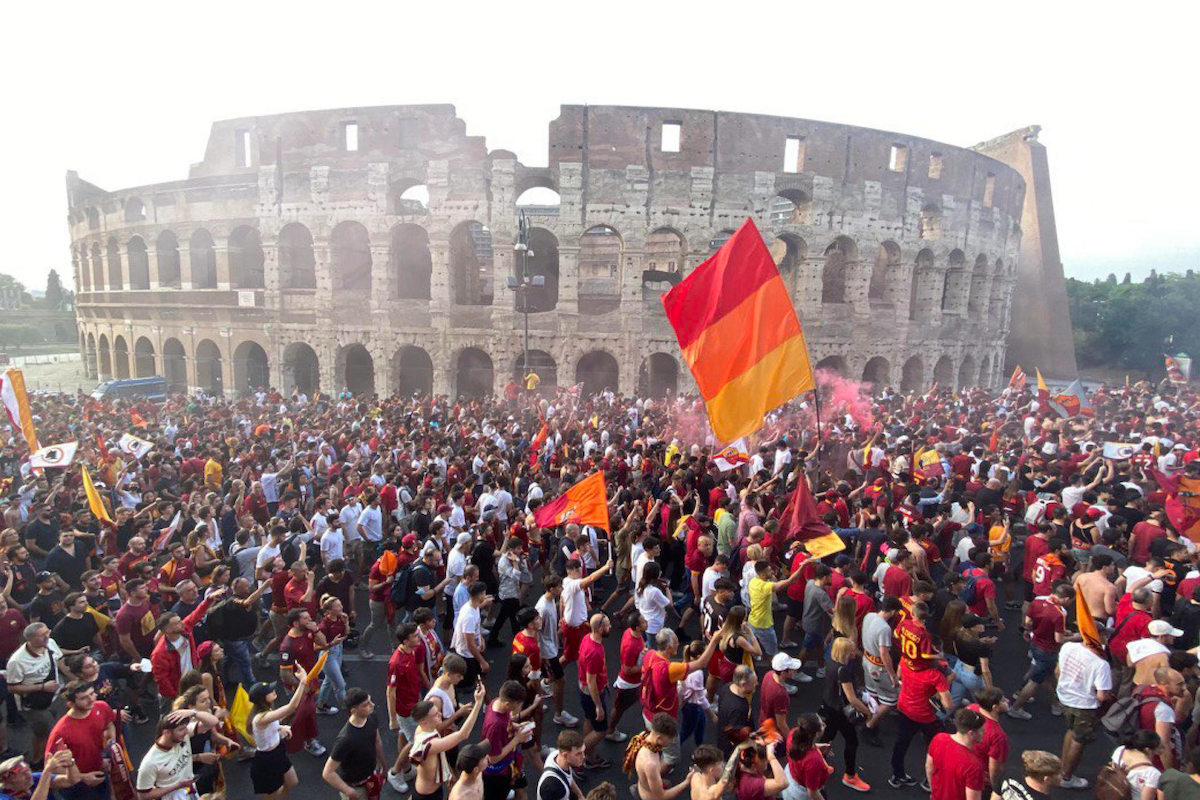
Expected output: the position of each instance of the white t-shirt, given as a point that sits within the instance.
(266, 554)
(332, 544)
(548, 635)
(1144, 648)
(24, 667)
(1134, 573)
(652, 605)
(640, 559)
(708, 582)
(444, 699)
(574, 602)
(162, 768)
(319, 524)
(466, 625)
(1139, 777)
(1072, 495)
(370, 523)
(1082, 674)
(456, 562)
(349, 517)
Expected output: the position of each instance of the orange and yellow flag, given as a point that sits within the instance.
(95, 503)
(740, 335)
(585, 503)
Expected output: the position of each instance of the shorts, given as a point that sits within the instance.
(767, 640)
(552, 669)
(41, 720)
(1041, 664)
(795, 608)
(473, 673)
(811, 641)
(408, 726)
(572, 637)
(1081, 722)
(590, 710)
(1029, 595)
(878, 682)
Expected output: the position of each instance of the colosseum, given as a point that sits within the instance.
(383, 250)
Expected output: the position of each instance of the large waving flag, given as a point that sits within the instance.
(1043, 394)
(739, 334)
(134, 445)
(732, 455)
(54, 455)
(801, 521)
(95, 503)
(1072, 401)
(16, 405)
(1175, 371)
(1018, 379)
(535, 446)
(584, 503)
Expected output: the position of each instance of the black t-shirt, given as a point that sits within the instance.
(24, 583)
(484, 556)
(555, 783)
(338, 588)
(835, 675)
(69, 567)
(423, 580)
(43, 534)
(969, 652)
(73, 634)
(1187, 619)
(47, 608)
(354, 750)
(125, 532)
(733, 714)
(419, 524)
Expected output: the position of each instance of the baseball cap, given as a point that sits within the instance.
(9, 764)
(463, 538)
(443, 509)
(1160, 627)
(409, 538)
(44, 576)
(782, 661)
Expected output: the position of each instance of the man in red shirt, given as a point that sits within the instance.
(912, 638)
(953, 768)
(916, 715)
(1047, 623)
(1133, 626)
(136, 555)
(856, 589)
(300, 647)
(299, 590)
(629, 675)
(86, 729)
(660, 682)
(984, 602)
(1050, 568)
(404, 690)
(1143, 535)
(593, 688)
(896, 580)
(992, 749)
(775, 697)
(1036, 546)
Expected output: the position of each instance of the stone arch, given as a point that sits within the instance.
(471, 264)
(301, 369)
(878, 371)
(139, 263)
(120, 358)
(929, 225)
(114, 267)
(597, 370)
(666, 251)
(835, 364)
(537, 191)
(955, 284)
(923, 264)
(175, 365)
(246, 258)
(601, 254)
(790, 207)
(943, 372)
(791, 254)
(297, 261)
(473, 374)
(357, 369)
(166, 252)
(410, 198)
(985, 372)
(966, 373)
(135, 210)
(840, 257)
(658, 376)
(883, 272)
(251, 368)
(104, 370)
(912, 378)
(144, 363)
(410, 261)
(209, 376)
(93, 366)
(412, 369)
(541, 262)
(202, 258)
(97, 276)
(350, 250)
(979, 287)
(540, 362)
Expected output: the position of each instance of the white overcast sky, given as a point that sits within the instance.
(125, 92)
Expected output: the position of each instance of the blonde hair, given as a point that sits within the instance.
(845, 618)
(1040, 764)
(754, 553)
(842, 650)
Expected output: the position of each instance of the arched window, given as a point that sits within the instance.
(790, 207)
(600, 258)
(930, 224)
(166, 251)
(470, 261)
(114, 268)
(666, 258)
(955, 286)
(541, 262)
(887, 261)
(979, 287)
(97, 268)
(202, 258)
(351, 250)
(839, 258)
(135, 210)
(297, 262)
(413, 372)
(139, 264)
(473, 373)
(246, 259)
(597, 371)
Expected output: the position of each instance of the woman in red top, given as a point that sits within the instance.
(334, 625)
(752, 781)
(807, 768)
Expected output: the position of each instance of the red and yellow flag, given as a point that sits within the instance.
(95, 503)
(740, 335)
(585, 503)
(1043, 393)
(535, 446)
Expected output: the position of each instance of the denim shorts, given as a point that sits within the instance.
(767, 640)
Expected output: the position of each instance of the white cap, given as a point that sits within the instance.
(1160, 627)
(782, 661)
(463, 538)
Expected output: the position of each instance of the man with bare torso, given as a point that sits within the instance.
(649, 763)
(1098, 589)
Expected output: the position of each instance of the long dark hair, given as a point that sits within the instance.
(804, 736)
(650, 574)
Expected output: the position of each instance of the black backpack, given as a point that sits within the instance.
(402, 586)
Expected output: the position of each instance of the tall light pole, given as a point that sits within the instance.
(522, 283)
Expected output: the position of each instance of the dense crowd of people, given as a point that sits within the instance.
(237, 555)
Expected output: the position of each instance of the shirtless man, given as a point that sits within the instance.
(429, 747)
(471, 761)
(649, 763)
(709, 779)
(1098, 589)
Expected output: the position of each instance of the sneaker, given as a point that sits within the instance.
(820, 672)
(1075, 783)
(1018, 713)
(617, 736)
(804, 677)
(792, 688)
(566, 720)
(139, 718)
(871, 736)
(1056, 709)
(314, 748)
(925, 787)
(327, 711)
(366, 655)
(397, 782)
(856, 783)
(900, 781)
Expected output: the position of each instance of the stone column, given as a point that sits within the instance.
(124, 247)
(441, 292)
(227, 385)
(331, 382)
(323, 298)
(152, 266)
(185, 264)
(568, 280)
(381, 282)
(271, 276)
(808, 286)
(221, 253)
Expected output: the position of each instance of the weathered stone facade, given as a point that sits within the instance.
(302, 251)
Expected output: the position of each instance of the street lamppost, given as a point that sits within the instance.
(522, 283)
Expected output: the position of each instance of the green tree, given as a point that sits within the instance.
(54, 290)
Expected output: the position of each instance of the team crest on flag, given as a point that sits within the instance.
(732, 455)
(1119, 451)
(54, 455)
(134, 445)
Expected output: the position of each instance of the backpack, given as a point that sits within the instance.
(968, 592)
(402, 586)
(1112, 783)
(1123, 717)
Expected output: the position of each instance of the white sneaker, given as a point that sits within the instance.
(617, 736)
(314, 748)
(792, 688)
(397, 782)
(820, 672)
(1075, 783)
(566, 720)
(803, 677)
(328, 711)
(1018, 713)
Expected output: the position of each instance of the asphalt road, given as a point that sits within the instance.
(1043, 732)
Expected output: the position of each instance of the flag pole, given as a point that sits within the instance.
(817, 411)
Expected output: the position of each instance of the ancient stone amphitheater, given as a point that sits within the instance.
(379, 250)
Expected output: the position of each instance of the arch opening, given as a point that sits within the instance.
(251, 369)
(912, 377)
(541, 262)
(666, 258)
(887, 262)
(658, 376)
(358, 370)
(839, 258)
(600, 256)
(836, 364)
(246, 259)
(413, 369)
(297, 260)
(144, 364)
(202, 258)
(541, 363)
(966, 373)
(877, 372)
(943, 372)
(473, 374)
(208, 368)
(597, 371)
(105, 370)
(114, 268)
(301, 369)
(790, 207)
(166, 252)
(175, 365)
(351, 250)
(139, 263)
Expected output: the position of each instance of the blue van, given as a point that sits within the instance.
(144, 388)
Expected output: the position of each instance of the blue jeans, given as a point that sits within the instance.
(692, 721)
(767, 640)
(966, 682)
(333, 689)
(240, 670)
